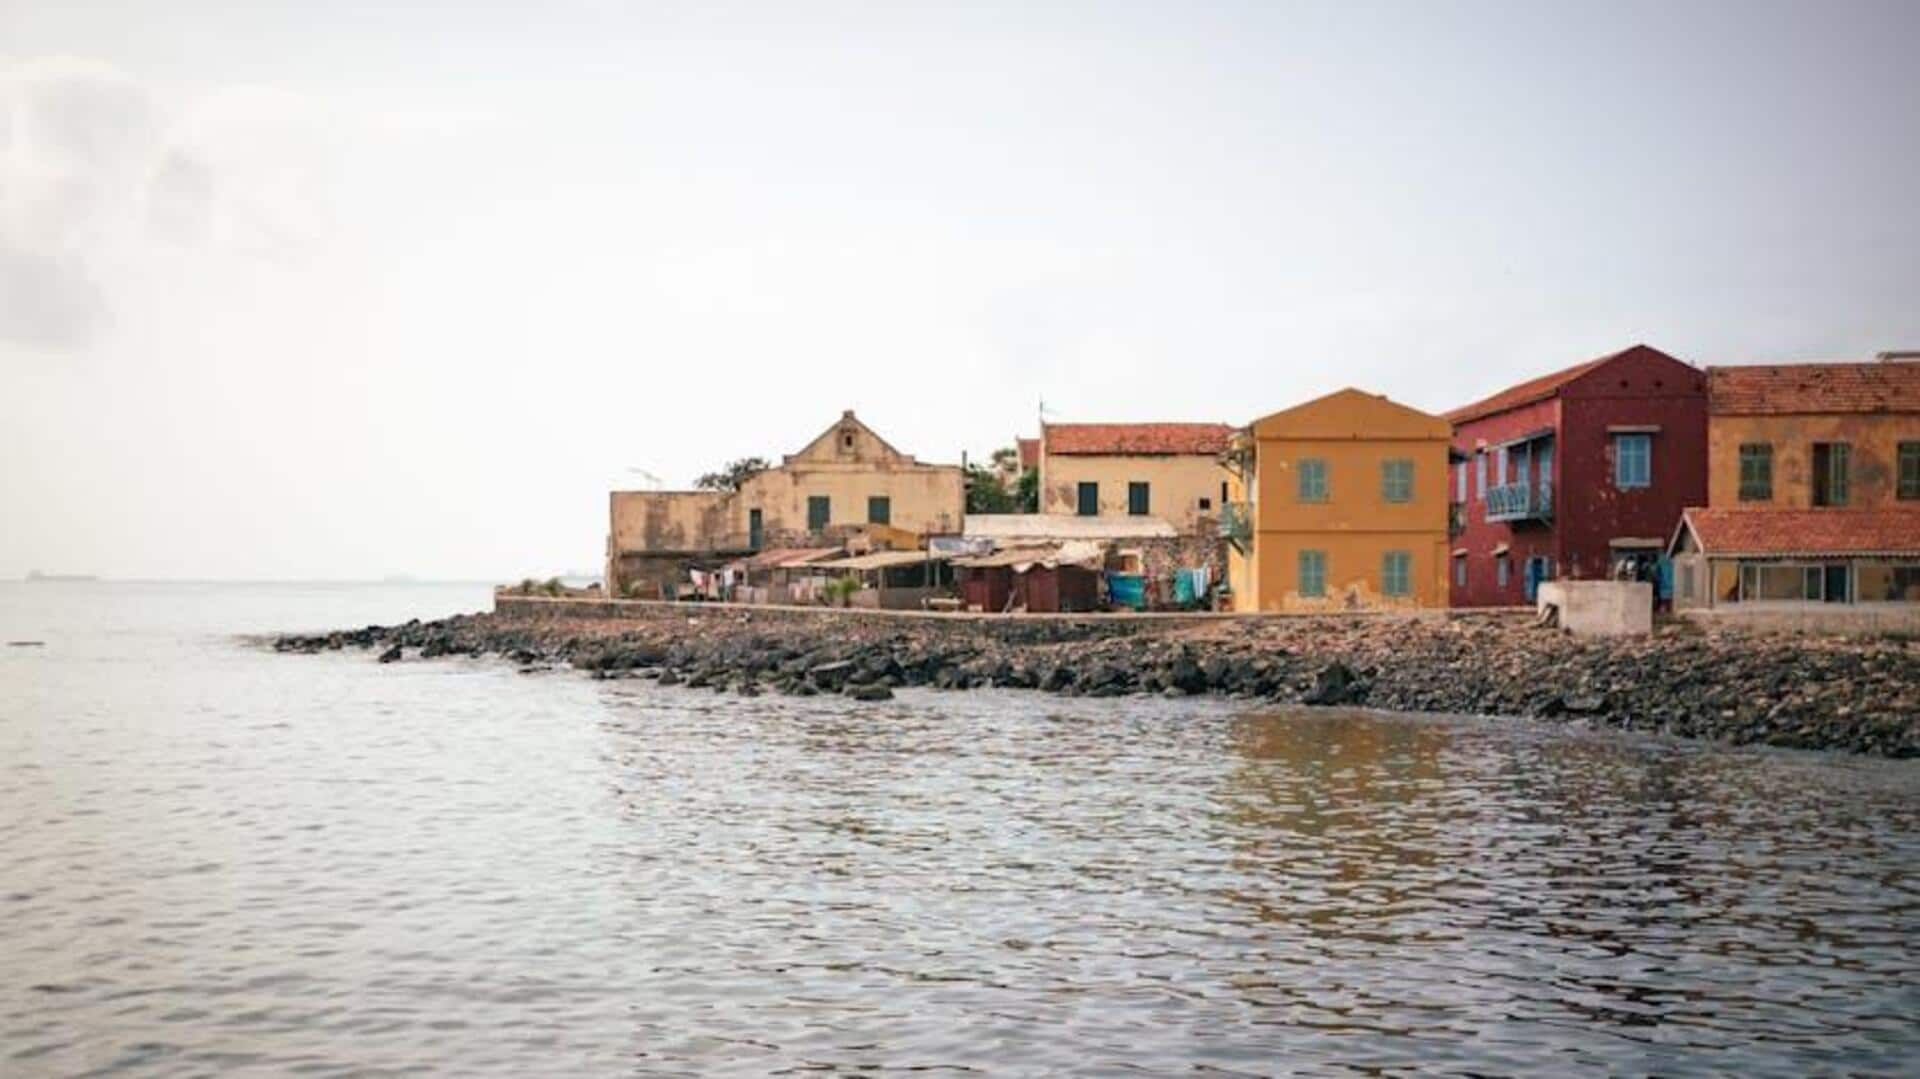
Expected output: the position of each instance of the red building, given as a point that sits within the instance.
(1573, 472)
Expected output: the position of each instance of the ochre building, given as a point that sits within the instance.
(1339, 504)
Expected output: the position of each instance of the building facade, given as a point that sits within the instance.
(845, 480)
(1165, 470)
(1813, 489)
(1574, 474)
(1339, 504)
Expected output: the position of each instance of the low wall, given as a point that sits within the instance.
(1842, 619)
(1600, 608)
(649, 610)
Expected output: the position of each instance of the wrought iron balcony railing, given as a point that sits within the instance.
(1521, 502)
(1236, 523)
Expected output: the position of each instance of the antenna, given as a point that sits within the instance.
(652, 482)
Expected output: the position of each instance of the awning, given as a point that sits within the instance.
(1634, 429)
(1500, 548)
(1635, 542)
(1531, 436)
(775, 557)
(880, 560)
(1459, 552)
(1012, 556)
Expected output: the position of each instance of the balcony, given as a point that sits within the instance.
(1456, 519)
(1236, 523)
(1520, 502)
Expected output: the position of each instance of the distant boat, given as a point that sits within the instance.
(36, 575)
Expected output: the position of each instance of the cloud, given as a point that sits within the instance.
(107, 187)
(48, 301)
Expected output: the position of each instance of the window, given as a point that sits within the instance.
(1460, 482)
(879, 510)
(1088, 495)
(1396, 480)
(1909, 470)
(1137, 499)
(1206, 504)
(1502, 570)
(1313, 573)
(756, 532)
(1460, 571)
(819, 512)
(1313, 479)
(846, 440)
(1223, 492)
(1396, 573)
(1830, 473)
(1480, 473)
(1756, 472)
(1632, 461)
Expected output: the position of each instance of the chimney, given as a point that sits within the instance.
(1909, 355)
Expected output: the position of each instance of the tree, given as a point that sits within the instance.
(733, 475)
(986, 493)
(1026, 490)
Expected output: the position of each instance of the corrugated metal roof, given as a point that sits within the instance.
(1013, 528)
(881, 560)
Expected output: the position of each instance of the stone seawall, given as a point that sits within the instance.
(1861, 695)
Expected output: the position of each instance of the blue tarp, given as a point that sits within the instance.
(1128, 590)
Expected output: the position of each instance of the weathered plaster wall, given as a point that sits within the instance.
(1872, 457)
(1176, 485)
(668, 520)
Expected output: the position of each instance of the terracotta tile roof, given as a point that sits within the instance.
(1029, 452)
(1783, 388)
(1103, 439)
(1811, 532)
(1526, 393)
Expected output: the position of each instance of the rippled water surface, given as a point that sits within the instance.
(213, 857)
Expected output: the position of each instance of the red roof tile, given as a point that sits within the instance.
(1525, 393)
(1136, 439)
(1786, 388)
(1810, 532)
(1029, 452)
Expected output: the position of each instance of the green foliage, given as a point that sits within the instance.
(1027, 492)
(840, 590)
(985, 492)
(526, 586)
(553, 587)
(733, 475)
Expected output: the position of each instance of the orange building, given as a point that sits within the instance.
(1339, 504)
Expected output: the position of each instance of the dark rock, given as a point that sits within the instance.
(1335, 684)
(872, 691)
(391, 655)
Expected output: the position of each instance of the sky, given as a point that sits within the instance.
(343, 290)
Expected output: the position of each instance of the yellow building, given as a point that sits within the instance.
(1165, 470)
(1339, 504)
(846, 480)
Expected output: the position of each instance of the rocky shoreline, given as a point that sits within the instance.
(1856, 695)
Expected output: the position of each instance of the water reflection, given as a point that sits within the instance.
(230, 860)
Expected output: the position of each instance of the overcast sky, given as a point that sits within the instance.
(344, 289)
